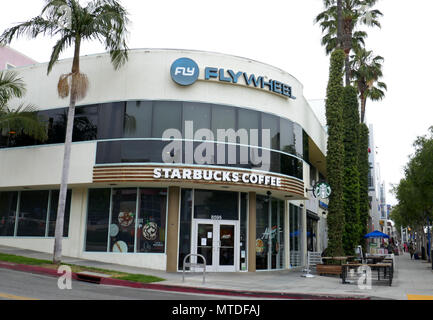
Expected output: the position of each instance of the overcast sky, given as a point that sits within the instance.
(282, 33)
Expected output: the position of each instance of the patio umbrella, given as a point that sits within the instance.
(376, 234)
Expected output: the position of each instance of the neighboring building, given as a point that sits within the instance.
(383, 208)
(144, 196)
(373, 183)
(10, 58)
(317, 228)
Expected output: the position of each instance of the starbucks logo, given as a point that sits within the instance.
(322, 190)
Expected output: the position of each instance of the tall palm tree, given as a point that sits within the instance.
(102, 20)
(354, 13)
(367, 71)
(20, 120)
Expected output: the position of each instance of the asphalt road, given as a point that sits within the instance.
(15, 285)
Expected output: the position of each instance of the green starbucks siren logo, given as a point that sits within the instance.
(322, 190)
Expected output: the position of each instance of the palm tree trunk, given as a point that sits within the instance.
(66, 158)
(347, 40)
(347, 71)
(340, 23)
(363, 106)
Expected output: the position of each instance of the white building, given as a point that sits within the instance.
(144, 196)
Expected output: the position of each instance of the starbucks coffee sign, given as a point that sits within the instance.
(217, 176)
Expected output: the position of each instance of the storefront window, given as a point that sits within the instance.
(312, 220)
(8, 207)
(269, 233)
(151, 220)
(54, 200)
(295, 236)
(123, 216)
(33, 214)
(222, 205)
(186, 198)
(98, 213)
(262, 232)
(128, 230)
(243, 233)
(32, 209)
(277, 234)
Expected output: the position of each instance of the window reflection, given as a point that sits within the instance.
(138, 119)
(166, 115)
(8, 206)
(54, 200)
(33, 214)
(295, 235)
(149, 119)
(98, 213)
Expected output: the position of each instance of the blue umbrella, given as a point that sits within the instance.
(376, 234)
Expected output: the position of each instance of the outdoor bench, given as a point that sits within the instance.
(328, 269)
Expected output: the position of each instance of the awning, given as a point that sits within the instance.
(312, 215)
(376, 234)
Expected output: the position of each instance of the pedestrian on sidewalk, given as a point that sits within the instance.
(411, 250)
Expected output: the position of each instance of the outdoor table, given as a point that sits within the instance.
(375, 258)
(387, 269)
(340, 259)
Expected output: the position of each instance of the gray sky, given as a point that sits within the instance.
(282, 33)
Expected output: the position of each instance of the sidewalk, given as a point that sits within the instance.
(410, 278)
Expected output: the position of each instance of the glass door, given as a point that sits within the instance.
(205, 243)
(218, 242)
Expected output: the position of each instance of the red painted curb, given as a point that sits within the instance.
(182, 289)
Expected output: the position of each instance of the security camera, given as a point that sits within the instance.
(269, 193)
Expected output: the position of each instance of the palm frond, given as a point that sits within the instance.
(59, 47)
(23, 120)
(11, 86)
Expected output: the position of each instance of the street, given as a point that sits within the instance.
(15, 285)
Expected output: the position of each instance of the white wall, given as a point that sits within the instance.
(147, 76)
(42, 165)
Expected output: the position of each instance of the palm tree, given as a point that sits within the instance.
(367, 70)
(20, 120)
(353, 14)
(102, 20)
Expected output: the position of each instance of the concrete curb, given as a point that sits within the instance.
(186, 289)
